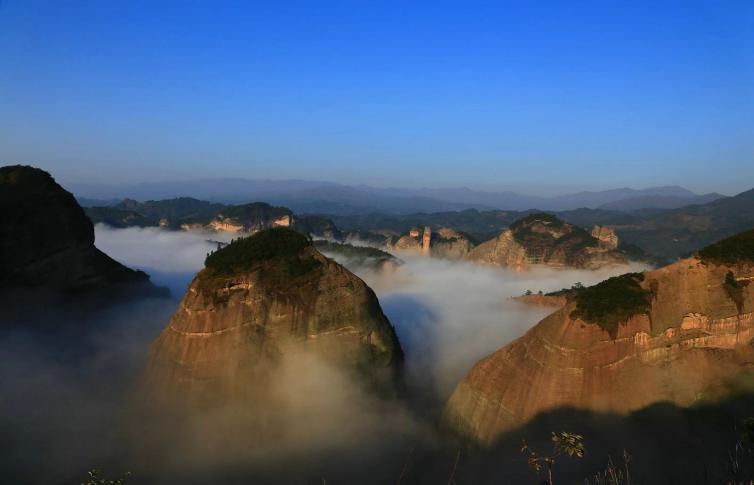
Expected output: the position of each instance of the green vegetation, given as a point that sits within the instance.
(183, 209)
(670, 234)
(440, 239)
(178, 211)
(569, 293)
(662, 234)
(255, 211)
(561, 238)
(369, 237)
(613, 301)
(731, 250)
(542, 217)
(635, 253)
(118, 217)
(533, 240)
(280, 244)
(351, 251)
(356, 255)
(578, 239)
(478, 226)
(317, 226)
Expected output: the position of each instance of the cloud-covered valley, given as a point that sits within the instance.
(447, 316)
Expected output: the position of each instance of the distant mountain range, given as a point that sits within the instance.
(664, 233)
(659, 202)
(306, 197)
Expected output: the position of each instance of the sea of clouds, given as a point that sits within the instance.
(447, 314)
(61, 417)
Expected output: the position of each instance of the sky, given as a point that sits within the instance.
(490, 95)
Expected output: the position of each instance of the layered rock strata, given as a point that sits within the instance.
(237, 323)
(695, 333)
(542, 239)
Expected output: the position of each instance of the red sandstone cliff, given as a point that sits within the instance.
(236, 323)
(542, 239)
(693, 335)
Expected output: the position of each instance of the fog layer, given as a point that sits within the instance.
(448, 315)
(62, 416)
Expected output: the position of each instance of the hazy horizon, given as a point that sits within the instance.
(531, 189)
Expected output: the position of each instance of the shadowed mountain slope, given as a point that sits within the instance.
(46, 240)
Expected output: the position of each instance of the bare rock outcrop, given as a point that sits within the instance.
(606, 236)
(542, 239)
(443, 243)
(408, 242)
(450, 244)
(667, 335)
(256, 302)
(250, 218)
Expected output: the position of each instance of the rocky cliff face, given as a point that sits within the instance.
(46, 240)
(257, 301)
(359, 256)
(408, 242)
(450, 244)
(606, 236)
(671, 334)
(250, 218)
(442, 243)
(544, 239)
(319, 227)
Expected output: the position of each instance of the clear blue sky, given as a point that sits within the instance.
(529, 95)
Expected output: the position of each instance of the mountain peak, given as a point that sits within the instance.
(46, 239)
(278, 244)
(259, 301)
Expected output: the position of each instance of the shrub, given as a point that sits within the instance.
(272, 244)
(351, 251)
(254, 211)
(537, 217)
(735, 290)
(613, 301)
(731, 250)
(578, 239)
(544, 244)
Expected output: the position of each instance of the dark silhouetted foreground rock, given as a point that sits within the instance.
(47, 242)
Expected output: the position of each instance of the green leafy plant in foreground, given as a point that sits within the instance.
(563, 443)
(613, 474)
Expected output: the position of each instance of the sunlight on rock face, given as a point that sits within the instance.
(447, 314)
